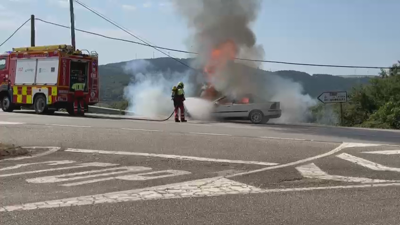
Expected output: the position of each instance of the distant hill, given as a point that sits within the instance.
(113, 78)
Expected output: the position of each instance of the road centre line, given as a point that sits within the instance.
(178, 157)
(10, 123)
(334, 151)
(214, 134)
(134, 129)
(67, 125)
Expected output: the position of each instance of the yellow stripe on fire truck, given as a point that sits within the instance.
(24, 94)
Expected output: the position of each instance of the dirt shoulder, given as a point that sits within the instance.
(7, 151)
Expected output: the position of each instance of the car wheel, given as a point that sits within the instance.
(256, 116)
(6, 104)
(40, 104)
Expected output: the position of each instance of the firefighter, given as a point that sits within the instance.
(179, 98)
(79, 87)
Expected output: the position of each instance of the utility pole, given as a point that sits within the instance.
(32, 30)
(71, 10)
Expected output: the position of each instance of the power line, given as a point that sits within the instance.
(113, 38)
(195, 53)
(14, 32)
(128, 32)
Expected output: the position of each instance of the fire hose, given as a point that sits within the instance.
(159, 120)
(169, 117)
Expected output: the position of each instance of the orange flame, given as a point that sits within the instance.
(245, 100)
(219, 57)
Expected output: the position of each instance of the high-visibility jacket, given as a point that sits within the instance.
(78, 86)
(179, 95)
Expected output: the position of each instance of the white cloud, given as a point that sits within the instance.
(147, 4)
(129, 7)
(2, 7)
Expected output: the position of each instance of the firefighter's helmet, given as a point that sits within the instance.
(174, 88)
(180, 85)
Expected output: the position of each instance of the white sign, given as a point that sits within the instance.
(333, 97)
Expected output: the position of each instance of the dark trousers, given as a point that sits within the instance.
(179, 106)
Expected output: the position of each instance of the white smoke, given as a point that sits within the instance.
(294, 104)
(149, 93)
(199, 109)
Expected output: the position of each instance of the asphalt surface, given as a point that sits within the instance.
(115, 171)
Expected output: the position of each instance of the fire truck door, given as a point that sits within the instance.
(3, 73)
(79, 74)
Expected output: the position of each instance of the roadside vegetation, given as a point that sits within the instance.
(372, 105)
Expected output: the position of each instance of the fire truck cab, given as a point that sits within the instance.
(49, 78)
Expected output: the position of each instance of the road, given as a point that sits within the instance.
(114, 171)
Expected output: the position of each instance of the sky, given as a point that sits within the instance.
(356, 32)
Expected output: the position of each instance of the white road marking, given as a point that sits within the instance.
(50, 163)
(134, 177)
(10, 123)
(153, 175)
(83, 175)
(384, 152)
(134, 129)
(198, 188)
(209, 187)
(50, 151)
(179, 157)
(367, 163)
(314, 172)
(213, 134)
(282, 138)
(336, 150)
(67, 125)
(93, 164)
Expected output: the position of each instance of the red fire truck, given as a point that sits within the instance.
(45, 78)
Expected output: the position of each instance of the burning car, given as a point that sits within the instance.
(246, 108)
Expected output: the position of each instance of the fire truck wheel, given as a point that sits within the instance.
(6, 104)
(40, 105)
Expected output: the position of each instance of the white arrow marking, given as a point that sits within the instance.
(93, 173)
(384, 152)
(95, 164)
(134, 177)
(314, 172)
(216, 186)
(366, 163)
(179, 157)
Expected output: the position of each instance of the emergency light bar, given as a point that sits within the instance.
(44, 48)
